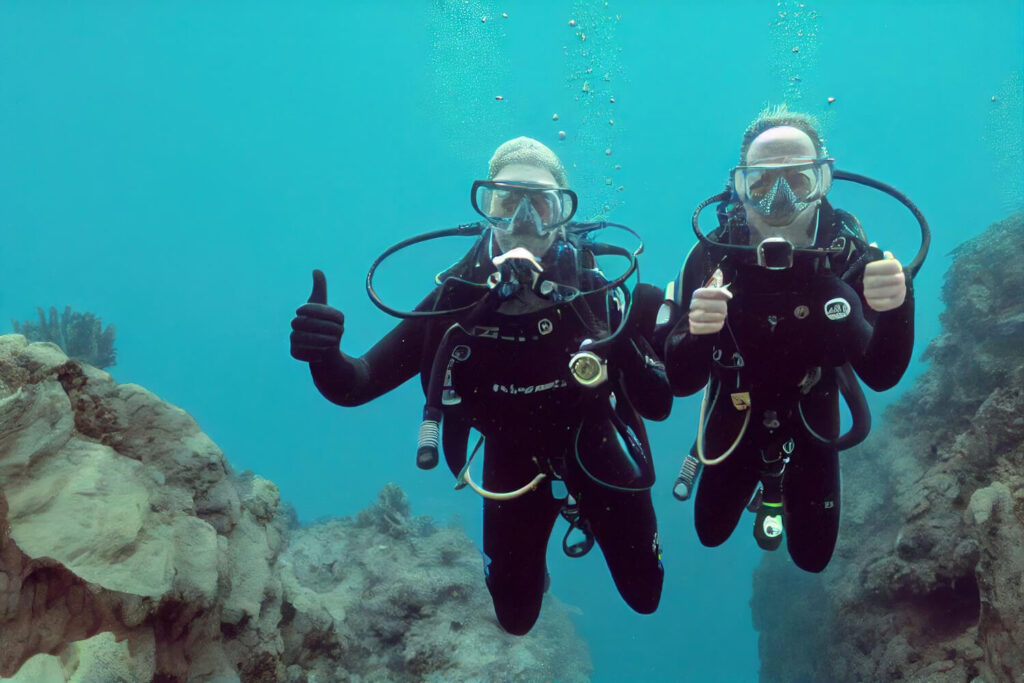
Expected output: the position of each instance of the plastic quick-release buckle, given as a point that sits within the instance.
(571, 514)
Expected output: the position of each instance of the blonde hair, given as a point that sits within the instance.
(527, 151)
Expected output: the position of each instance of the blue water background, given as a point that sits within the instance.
(180, 168)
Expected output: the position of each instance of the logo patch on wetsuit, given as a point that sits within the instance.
(485, 332)
(544, 326)
(526, 391)
(837, 309)
(740, 400)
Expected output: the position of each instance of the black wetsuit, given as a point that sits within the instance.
(775, 364)
(513, 384)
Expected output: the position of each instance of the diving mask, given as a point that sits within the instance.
(523, 207)
(780, 191)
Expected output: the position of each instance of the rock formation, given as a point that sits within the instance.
(928, 578)
(129, 551)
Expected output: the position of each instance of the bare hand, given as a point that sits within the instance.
(709, 308)
(885, 286)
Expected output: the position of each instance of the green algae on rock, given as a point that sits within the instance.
(80, 335)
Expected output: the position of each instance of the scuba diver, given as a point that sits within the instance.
(526, 342)
(786, 304)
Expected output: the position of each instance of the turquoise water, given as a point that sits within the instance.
(179, 171)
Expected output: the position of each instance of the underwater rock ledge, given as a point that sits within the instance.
(130, 551)
(926, 583)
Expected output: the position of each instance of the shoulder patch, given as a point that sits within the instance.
(837, 309)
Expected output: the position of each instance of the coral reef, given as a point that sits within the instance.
(130, 551)
(397, 598)
(926, 582)
(80, 335)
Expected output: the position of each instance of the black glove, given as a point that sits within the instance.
(316, 327)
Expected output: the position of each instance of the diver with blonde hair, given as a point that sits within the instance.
(526, 342)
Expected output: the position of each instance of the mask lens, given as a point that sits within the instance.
(804, 183)
(805, 179)
(503, 203)
(759, 183)
(498, 201)
(547, 205)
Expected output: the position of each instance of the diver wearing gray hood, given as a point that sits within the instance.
(527, 343)
(782, 307)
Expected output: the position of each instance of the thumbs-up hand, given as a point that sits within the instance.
(316, 327)
(885, 286)
(709, 306)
